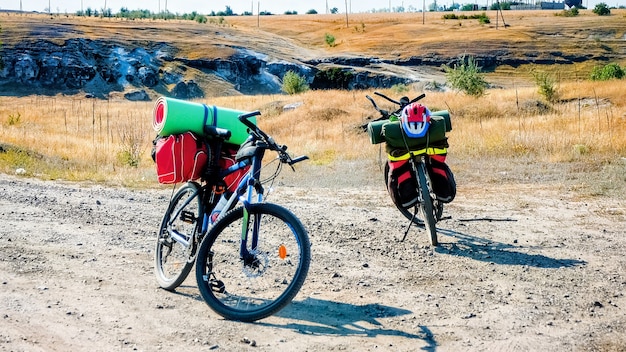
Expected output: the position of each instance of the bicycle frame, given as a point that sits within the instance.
(248, 186)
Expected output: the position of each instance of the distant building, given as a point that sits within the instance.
(552, 5)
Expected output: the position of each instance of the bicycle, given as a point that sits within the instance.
(427, 209)
(252, 259)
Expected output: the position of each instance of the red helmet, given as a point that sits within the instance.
(415, 120)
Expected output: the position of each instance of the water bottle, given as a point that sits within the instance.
(218, 208)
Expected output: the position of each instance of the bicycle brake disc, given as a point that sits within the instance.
(257, 265)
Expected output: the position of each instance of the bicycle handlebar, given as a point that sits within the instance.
(404, 101)
(271, 144)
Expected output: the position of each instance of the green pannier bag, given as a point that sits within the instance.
(395, 137)
(446, 117)
(379, 132)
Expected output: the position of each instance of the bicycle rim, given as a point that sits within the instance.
(249, 290)
(426, 206)
(173, 258)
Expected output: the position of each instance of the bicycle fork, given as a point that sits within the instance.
(418, 167)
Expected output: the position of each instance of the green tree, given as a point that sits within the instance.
(602, 9)
(293, 83)
(466, 77)
(228, 12)
(500, 6)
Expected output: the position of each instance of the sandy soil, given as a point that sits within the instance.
(520, 267)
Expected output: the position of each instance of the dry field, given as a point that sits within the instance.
(74, 138)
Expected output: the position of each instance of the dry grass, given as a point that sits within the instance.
(84, 139)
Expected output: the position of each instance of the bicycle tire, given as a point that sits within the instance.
(174, 260)
(249, 292)
(426, 205)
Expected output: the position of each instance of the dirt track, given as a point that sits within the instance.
(533, 270)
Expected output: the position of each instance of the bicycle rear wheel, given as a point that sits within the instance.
(426, 205)
(255, 287)
(176, 239)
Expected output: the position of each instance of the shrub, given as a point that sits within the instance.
(466, 77)
(483, 19)
(131, 147)
(573, 12)
(329, 39)
(332, 78)
(547, 86)
(294, 83)
(400, 88)
(610, 71)
(602, 9)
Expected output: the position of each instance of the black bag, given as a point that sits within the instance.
(442, 179)
(401, 183)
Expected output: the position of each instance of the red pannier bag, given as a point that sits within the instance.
(227, 160)
(180, 158)
(442, 178)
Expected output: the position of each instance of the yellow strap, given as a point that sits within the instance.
(429, 151)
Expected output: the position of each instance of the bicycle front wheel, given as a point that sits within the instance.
(426, 205)
(176, 239)
(256, 285)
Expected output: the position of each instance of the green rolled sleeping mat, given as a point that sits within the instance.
(391, 131)
(174, 116)
(375, 131)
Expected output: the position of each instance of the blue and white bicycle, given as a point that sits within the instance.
(251, 257)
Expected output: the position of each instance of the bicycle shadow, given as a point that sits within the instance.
(313, 316)
(481, 249)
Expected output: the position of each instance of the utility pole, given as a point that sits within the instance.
(347, 22)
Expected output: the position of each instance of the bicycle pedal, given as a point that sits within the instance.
(217, 286)
(188, 217)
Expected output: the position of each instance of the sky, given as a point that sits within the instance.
(238, 6)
